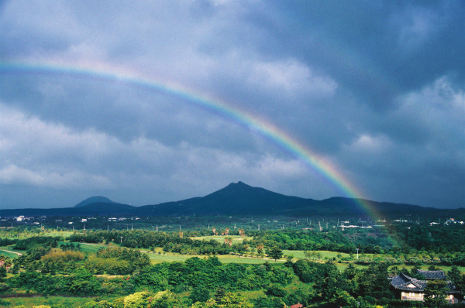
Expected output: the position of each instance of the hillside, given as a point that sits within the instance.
(240, 199)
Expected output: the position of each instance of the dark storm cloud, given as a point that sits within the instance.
(377, 87)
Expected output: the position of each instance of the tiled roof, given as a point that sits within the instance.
(432, 275)
(407, 283)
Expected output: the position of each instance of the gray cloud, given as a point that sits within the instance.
(375, 87)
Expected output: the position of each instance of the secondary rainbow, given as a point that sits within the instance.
(278, 136)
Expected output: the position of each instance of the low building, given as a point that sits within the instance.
(413, 289)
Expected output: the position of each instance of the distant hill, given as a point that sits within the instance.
(95, 199)
(240, 199)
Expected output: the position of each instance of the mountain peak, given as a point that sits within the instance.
(237, 187)
(238, 184)
(94, 199)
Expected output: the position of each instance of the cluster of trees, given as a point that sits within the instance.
(170, 242)
(199, 277)
(111, 260)
(78, 283)
(414, 258)
(315, 240)
(70, 246)
(7, 241)
(116, 261)
(412, 238)
(209, 283)
(437, 238)
(60, 261)
(167, 299)
(210, 274)
(36, 241)
(365, 286)
(48, 260)
(30, 260)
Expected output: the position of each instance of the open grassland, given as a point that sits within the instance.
(23, 234)
(300, 254)
(53, 301)
(63, 234)
(156, 257)
(220, 238)
(90, 247)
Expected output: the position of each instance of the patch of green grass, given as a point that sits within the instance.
(8, 253)
(53, 301)
(300, 254)
(17, 234)
(172, 257)
(245, 260)
(220, 238)
(253, 294)
(55, 233)
(90, 247)
(160, 258)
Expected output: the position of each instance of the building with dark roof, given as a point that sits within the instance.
(432, 275)
(413, 289)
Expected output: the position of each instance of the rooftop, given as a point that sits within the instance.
(432, 275)
(406, 283)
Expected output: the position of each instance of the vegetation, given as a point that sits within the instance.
(271, 268)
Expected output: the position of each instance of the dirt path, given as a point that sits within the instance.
(10, 251)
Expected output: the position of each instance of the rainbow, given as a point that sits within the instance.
(267, 129)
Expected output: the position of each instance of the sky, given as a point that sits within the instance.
(375, 88)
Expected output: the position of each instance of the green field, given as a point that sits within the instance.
(90, 247)
(173, 257)
(63, 234)
(13, 234)
(220, 238)
(300, 254)
(53, 301)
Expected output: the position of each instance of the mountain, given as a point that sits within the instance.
(240, 199)
(234, 199)
(94, 199)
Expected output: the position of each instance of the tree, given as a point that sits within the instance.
(435, 293)
(275, 253)
(455, 276)
(327, 282)
(228, 300)
(165, 299)
(199, 294)
(275, 290)
(83, 283)
(269, 302)
(137, 300)
(343, 299)
(373, 281)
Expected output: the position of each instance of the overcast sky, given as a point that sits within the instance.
(375, 87)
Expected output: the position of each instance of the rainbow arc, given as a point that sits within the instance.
(267, 129)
